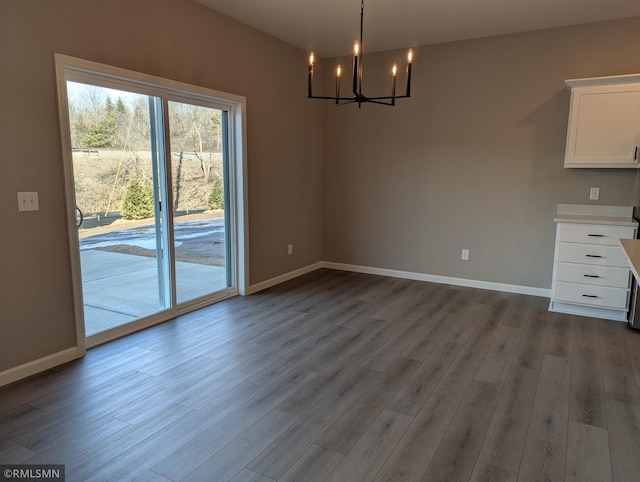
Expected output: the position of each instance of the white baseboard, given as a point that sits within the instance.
(36, 366)
(42, 364)
(263, 285)
(447, 280)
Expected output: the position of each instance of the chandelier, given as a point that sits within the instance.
(358, 97)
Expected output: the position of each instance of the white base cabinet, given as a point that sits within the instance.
(591, 276)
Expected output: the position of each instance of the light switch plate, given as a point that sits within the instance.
(28, 201)
(594, 193)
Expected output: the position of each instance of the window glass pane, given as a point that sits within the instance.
(198, 178)
(117, 163)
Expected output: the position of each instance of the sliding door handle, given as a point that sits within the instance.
(79, 217)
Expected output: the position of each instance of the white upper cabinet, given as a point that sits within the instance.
(604, 122)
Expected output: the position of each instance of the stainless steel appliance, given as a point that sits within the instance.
(634, 309)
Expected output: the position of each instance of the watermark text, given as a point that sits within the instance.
(17, 473)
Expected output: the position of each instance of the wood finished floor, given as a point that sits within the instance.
(343, 377)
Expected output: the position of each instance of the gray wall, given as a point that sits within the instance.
(175, 39)
(474, 160)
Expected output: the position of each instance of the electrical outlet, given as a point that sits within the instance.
(465, 254)
(594, 193)
(290, 249)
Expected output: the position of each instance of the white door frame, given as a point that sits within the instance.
(67, 66)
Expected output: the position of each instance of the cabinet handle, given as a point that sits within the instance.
(635, 154)
(590, 296)
(591, 276)
(593, 256)
(596, 235)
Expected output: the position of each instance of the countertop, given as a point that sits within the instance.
(631, 250)
(585, 219)
(595, 214)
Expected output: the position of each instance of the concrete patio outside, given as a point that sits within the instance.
(119, 288)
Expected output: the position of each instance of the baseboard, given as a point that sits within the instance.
(263, 285)
(36, 366)
(42, 364)
(447, 280)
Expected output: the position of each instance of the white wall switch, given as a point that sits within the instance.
(594, 193)
(28, 201)
(290, 249)
(465, 254)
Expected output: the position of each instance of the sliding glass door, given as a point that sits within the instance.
(155, 225)
(199, 175)
(118, 171)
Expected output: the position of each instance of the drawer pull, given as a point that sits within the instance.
(593, 256)
(591, 276)
(590, 296)
(596, 235)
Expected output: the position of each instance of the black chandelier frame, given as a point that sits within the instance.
(358, 97)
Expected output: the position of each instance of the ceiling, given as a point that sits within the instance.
(329, 27)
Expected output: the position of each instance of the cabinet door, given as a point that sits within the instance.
(603, 129)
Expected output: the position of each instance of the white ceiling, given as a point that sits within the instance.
(329, 27)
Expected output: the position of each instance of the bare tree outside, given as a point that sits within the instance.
(110, 140)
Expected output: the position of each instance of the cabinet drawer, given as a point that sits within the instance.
(594, 233)
(593, 275)
(592, 254)
(591, 295)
